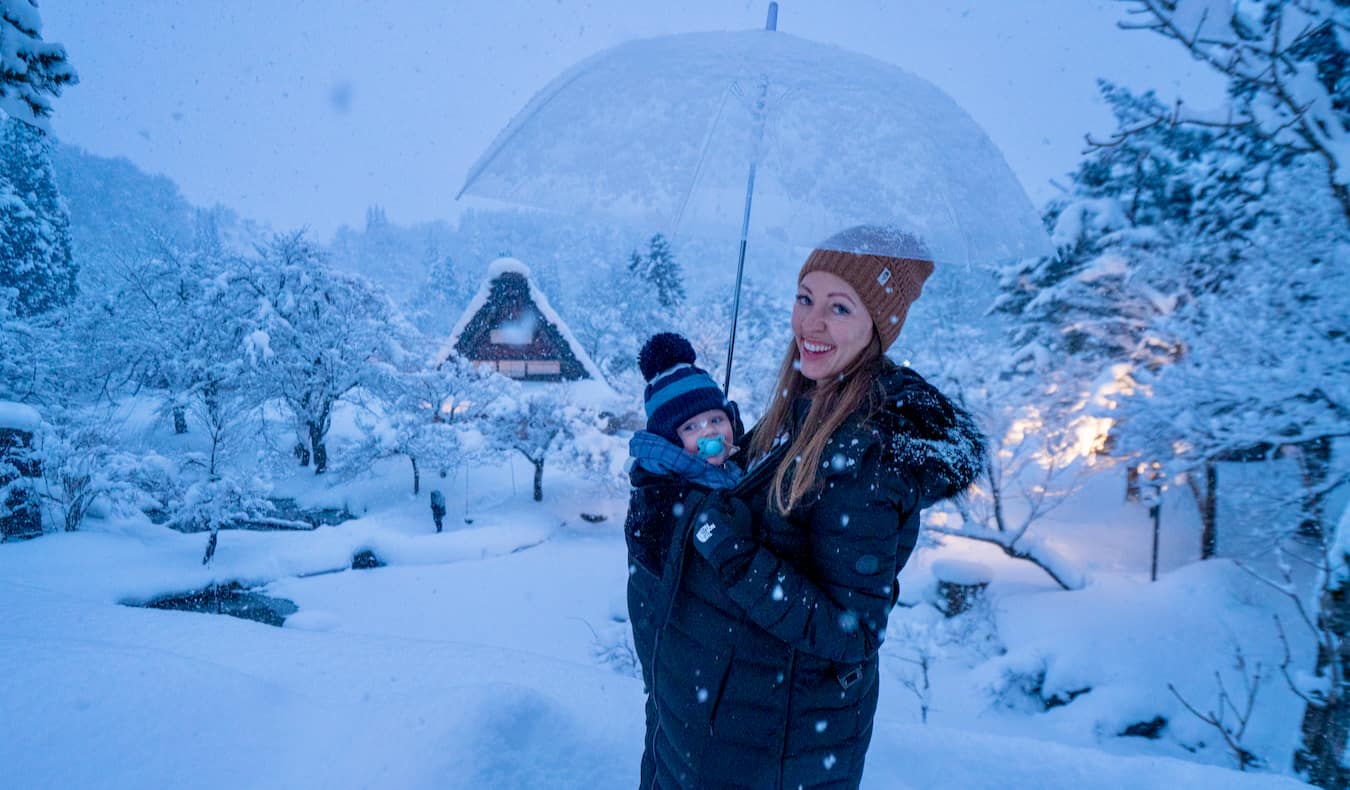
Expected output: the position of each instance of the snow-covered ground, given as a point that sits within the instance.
(492, 655)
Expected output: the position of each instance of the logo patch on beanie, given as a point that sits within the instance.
(884, 277)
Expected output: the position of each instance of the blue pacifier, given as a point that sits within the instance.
(709, 446)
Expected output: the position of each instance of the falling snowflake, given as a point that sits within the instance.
(778, 592)
(702, 695)
(829, 761)
(821, 725)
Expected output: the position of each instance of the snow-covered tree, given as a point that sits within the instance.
(214, 502)
(1120, 236)
(613, 312)
(660, 268)
(762, 337)
(1170, 233)
(32, 71)
(35, 253)
(317, 334)
(25, 374)
(431, 414)
(443, 294)
(536, 421)
(1040, 450)
(1262, 362)
(83, 466)
(171, 321)
(1285, 62)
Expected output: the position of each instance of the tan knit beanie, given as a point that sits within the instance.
(886, 266)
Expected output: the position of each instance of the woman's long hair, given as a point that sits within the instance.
(855, 388)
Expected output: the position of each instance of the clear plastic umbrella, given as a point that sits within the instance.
(682, 133)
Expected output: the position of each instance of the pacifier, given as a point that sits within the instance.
(710, 446)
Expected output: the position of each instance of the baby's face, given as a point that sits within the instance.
(707, 424)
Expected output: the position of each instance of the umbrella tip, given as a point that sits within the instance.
(772, 22)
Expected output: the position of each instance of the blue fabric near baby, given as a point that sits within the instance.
(661, 457)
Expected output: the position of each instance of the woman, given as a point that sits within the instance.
(773, 599)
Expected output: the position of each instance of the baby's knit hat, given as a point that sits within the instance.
(885, 265)
(676, 388)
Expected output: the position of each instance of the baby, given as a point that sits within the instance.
(686, 410)
(682, 456)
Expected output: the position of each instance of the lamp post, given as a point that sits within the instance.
(1153, 488)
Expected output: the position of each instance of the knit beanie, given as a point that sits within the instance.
(885, 265)
(676, 389)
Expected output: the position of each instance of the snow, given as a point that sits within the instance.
(491, 656)
(1338, 552)
(259, 345)
(19, 416)
(962, 572)
(1110, 264)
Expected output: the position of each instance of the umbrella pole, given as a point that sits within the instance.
(740, 270)
(769, 24)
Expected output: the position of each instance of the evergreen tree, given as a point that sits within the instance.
(31, 70)
(659, 268)
(437, 303)
(35, 253)
(664, 272)
(1092, 304)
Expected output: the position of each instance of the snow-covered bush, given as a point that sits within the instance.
(84, 469)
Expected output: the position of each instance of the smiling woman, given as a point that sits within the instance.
(764, 661)
(829, 324)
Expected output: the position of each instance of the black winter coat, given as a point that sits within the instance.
(762, 662)
(659, 507)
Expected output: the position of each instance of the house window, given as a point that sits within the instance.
(543, 367)
(515, 368)
(516, 332)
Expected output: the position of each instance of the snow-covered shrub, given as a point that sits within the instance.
(84, 469)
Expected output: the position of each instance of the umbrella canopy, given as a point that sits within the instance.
(662, 131)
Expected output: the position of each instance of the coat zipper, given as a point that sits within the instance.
(755, 475)
(677, 568)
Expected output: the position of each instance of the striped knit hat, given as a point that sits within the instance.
(886, 266)
(676, 389)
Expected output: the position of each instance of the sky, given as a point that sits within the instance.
(306, 112)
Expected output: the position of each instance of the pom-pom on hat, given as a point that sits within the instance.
(885, 265)
(676, 388)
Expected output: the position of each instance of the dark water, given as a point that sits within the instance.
(231, 599)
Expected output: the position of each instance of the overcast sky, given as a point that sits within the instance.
(305, 112)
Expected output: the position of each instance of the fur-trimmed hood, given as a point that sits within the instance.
(931, 437)
(924, 438)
